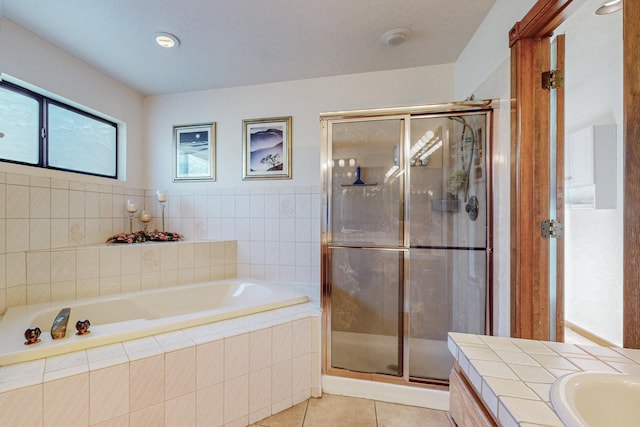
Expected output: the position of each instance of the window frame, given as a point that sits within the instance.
(43, 132)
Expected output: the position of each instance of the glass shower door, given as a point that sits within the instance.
(366, 244)
(448, 237)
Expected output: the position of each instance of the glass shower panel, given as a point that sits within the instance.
(447, 293)
(448, 181)
(365, 310)
(448, 237)
(367, 183)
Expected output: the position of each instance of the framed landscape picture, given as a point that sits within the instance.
(194, 148)
(266, 149)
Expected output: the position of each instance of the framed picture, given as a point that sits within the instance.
(266, 150)
(194, 152)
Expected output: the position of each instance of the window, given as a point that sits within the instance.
(39, 131)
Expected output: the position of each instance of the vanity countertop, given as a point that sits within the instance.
(513, 376)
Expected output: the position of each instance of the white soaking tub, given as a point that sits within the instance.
(122, 317)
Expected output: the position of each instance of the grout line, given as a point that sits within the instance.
(375, 411)
(306, 409)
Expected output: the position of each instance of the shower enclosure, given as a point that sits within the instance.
(406, 246)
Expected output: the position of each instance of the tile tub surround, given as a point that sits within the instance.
(97, 270)
(230, 373)
(513, 376)
(277, 229)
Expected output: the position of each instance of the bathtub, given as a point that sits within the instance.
(127, 316)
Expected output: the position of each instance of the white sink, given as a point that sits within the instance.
(596, 399)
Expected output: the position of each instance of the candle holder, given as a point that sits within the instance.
(162, 199)
(145, 217)
(132, 208)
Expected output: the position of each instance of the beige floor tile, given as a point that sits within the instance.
(393, 415)
(333, 411)
(292, 417)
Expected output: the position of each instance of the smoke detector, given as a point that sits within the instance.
(395, 36)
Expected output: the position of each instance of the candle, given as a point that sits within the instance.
(161, 195)
(145, 217)
(131, 206)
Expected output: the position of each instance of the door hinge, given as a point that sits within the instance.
(551, 228)
(552, 79)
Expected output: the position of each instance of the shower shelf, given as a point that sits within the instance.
(374, 184)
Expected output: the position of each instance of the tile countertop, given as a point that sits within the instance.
(514, 376)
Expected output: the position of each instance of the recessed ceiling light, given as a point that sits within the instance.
(166, 40)
(609, 7)
(395, 36)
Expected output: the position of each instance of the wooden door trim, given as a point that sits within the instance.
(529, 189)
(560, 156)
(631, 144)
(542, 19)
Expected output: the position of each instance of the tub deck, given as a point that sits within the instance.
(134, 315)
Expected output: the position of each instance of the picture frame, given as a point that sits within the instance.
(194, 152)
(266, 148)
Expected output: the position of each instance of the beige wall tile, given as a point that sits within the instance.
(260, 349)
(152, 416)
(260, 391)
(38, 267)
(22, 407)
(282, 343)
(301, 337)
(210, 406)
(17, 235)
(236, 398)
(91, 205)
(17, 197)
(147, 382)
(181, 411)
(108, 393)
(281, 382)
(110, 261)
(59, 203)
(39, 202)
(236, 356)
(301, 376)
(66, 401)
(180, 372)
(63, 265)
(131, 260)
(88, 263)
(210, 364)
(59, 233)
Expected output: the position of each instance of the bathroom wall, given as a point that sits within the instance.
(483, 70)
(51, 244)
(31, 59)
(45, 214)
(276, 223)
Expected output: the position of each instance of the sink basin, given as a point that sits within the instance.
(597, 399)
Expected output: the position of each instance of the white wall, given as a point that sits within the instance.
(483, 70)
(43, 212)
(276, 223)
(31, 59)
(594, 237)
(488, 49)
(302, 99)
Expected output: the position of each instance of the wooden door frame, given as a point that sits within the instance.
(529, 41)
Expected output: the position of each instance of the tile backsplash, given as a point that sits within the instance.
(52, 235)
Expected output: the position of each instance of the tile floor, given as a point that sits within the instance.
(337, 411)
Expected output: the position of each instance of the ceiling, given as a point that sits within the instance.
(227, 43)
